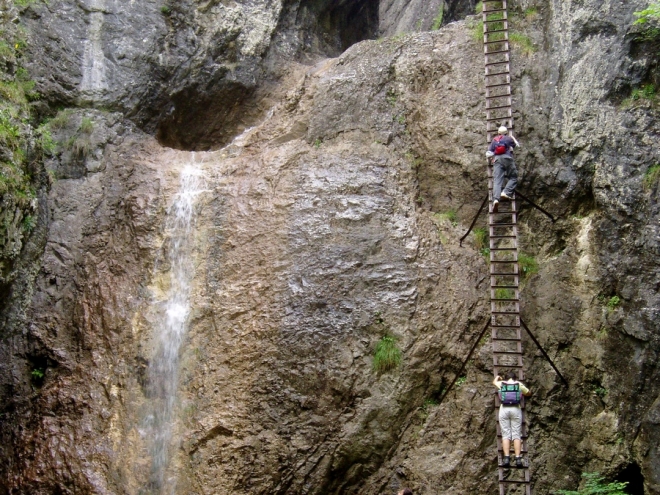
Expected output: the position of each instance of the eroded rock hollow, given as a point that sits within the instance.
(339, 148)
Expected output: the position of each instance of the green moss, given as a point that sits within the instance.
(437, 21)
(387, 355)
(651, 177)
(448, 216)
(523, 42)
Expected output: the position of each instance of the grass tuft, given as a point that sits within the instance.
(387, 355)
(523, 42)
(528, 266)
(449, 216)
(480, 238)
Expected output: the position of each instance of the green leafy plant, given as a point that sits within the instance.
(528, 266)
(461, 381)
(387, 355)
(485, 252)
(37, 375)
(595, 485)
(613, 302)
(166, 10)
(437, 20)
(600, 391)
(317, 143)
(646, 92)
(649, 19)
(400, 119)
(29, 223)
(478, 8)
(651, 177)
(480, 238)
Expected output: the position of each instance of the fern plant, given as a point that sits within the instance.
(595, 485)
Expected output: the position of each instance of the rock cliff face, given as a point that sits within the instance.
(330, 143)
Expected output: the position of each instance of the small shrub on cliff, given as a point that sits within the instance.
(613, 303)
(387, 355)
(649, 19)
(595, 485)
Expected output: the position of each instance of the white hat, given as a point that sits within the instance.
(503, 130)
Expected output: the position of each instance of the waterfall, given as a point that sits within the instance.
(170, 328)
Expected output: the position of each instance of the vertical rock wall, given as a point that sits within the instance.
(318, 237)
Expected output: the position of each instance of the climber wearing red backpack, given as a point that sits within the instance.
(511, 392)
(501, 151)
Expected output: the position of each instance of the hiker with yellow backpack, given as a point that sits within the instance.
(511, 392)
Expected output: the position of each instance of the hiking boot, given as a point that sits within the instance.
(505, 196)
(506, 461)
(495, 206)
(519, 462)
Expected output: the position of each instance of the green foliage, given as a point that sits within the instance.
(646, 92)
(649, 19)
(600, 391)
(531, 13)
(400, 119)
(387, 355)
(651, 177)
(38, 374)
(437, 21)
(24, 3)
(485, 252)
(504, 293)
(480, 238)
(479, 8)
(61, 119)
(86, 125)
(528, 265)
(391, 96)
(29, 223)
(523, 42)
(317, 143)
(595, 485)
(461, 381)
(166, 10)
(613, 303)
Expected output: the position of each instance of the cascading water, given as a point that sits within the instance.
(171, 325)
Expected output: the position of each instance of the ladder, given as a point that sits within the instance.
(506, 331)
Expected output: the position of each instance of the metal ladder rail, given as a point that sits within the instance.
(506, 331)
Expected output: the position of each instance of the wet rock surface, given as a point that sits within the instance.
(316, 237)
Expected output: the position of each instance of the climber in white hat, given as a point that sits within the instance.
(504, 167)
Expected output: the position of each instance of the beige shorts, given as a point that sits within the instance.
(511, 422)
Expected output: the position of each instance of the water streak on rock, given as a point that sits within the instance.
(171, 326)
(93, 65)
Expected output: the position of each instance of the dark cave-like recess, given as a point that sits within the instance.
(632, 474)
(208, 117)
(459, 9)
(330, 27)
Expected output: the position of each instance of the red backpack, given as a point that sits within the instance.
(500, 149)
